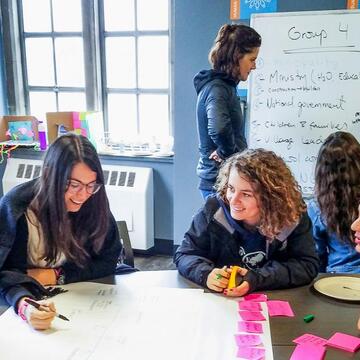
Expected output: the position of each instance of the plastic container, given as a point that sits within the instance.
(42, 135)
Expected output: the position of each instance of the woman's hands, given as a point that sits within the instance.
(214, 156)
(218, 281)
(39, 319)
(43, 276)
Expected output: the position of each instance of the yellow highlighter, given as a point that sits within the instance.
(233, 281)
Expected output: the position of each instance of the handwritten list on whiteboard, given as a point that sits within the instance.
(306, 85)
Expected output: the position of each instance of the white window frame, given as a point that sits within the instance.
(93, 35)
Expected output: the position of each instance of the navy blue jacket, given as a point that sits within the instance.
(213, 242)
(219, 120)
(14, 283)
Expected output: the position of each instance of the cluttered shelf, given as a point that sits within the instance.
(26, 136)
(34, 153)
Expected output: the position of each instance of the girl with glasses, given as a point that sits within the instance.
(56, 229)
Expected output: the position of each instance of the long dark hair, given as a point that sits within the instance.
(231, 44)
(337, 183)
(72, 234)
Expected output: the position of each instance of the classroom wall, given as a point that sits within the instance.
(196, 25)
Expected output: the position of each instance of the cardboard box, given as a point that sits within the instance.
(86, 123)
(54, 120)
(4, 125)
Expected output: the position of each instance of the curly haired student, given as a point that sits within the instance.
(56, 229)
(335, 206)
(256, 221)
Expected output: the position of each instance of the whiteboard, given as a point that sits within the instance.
(306, 85)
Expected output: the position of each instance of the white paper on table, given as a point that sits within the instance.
(112, 322)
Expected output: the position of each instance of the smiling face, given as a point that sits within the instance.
(84, 175)
(242, 200)
(355, 226)
(248, 63)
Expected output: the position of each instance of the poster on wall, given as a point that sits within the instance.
(242, 9)
(353, 4)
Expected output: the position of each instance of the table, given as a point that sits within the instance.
(330, 315)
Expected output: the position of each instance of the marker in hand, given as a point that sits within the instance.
(235, 278)
(44, 308)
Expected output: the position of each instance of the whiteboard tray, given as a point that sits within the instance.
(339, 287)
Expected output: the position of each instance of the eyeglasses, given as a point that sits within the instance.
(75, 186)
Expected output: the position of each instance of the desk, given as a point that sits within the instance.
(330, 315)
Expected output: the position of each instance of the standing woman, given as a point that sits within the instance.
(56, 229)
(335, 207)
(219, 118)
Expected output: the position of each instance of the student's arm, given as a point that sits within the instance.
(101, 264)
(14, 281)
(295, 265)
(192, 257)
(320, 235)
(219, 122)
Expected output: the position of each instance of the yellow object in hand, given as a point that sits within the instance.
(232, 280)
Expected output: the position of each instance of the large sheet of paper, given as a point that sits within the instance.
(111, 322)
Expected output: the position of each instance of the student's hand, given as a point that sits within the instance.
(214, 156)
(39, 319)
(43, 276)
(218, 279)
(240, 290)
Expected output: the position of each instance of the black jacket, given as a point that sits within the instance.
(211, 241)
(219, 120)
(14, 283)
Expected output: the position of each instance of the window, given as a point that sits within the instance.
(53, 60)
(135, 54)
(106, 55)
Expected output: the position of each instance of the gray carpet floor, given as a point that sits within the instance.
(156, 262)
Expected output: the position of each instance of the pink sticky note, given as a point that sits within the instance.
(308, 352)
(310, 339)
(250, 327)
(279, 308)
(251, 353)
(76, 120)
(247, 340)
(251, 315)
(249, 305)
(344, 341)
(256, 297)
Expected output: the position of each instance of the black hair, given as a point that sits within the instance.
(72, 234)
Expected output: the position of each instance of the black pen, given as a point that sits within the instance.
(43, 308)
